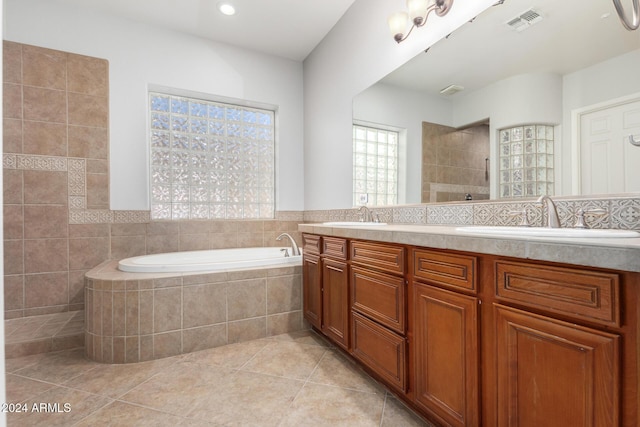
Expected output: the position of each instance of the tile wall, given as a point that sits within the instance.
(453, 163)
(57, 222)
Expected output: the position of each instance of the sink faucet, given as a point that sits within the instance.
(552, 214)
(295, 251)
(367, 215)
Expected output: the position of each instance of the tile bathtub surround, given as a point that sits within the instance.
(283, 380)
(138, 317)
(42, 334)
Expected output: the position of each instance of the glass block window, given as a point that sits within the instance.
(210, 160)
(526, 161)
(375, 166)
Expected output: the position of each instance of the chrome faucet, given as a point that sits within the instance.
(295, 251)
(367, 215)
(553, 221)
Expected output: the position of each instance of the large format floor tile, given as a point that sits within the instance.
(288, 380)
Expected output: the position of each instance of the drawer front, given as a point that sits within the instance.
(381, 350)
(588, 295)
(380, 297)
(453, 271)
(333, 247)
(384, 257)
(311, 243)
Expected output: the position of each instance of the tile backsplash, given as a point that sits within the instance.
(622, 212)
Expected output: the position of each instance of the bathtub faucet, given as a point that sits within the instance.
(295, 251)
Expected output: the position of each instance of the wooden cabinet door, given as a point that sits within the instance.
(312, 289)
(552, 373)
(445, 347)
(335, 301)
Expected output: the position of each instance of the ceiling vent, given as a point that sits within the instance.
(451, 89)
(525, 20)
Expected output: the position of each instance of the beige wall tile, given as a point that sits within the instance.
(194, 242)
(119, 313)
(47, 105)
(162, 243)
(45, 187)
(12, 136)
(205, 337)
(132, 350)
(89, 230)
(132, 313)
(11, 62)
(284, 322)
(46, 255)
(246, 299)
(167, 344)
(45, 139)
(12, 101)
(125, 247)
(76, 287)
(12, 186)
(13, 257)
(42, 221)
(119, 350)
(245, 330)
(14, 292)
(146, 312)
(284, 294)
(13, 222)
(88, 142)
(97, 191)
(44, 67)
(204, 305)
(167, 309)
(48, 289)
(87, 253)
(88, 75)
(86, 110)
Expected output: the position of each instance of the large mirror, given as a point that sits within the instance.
(545, 63)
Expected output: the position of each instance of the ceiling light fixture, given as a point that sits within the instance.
(417, 13)
(226, 8)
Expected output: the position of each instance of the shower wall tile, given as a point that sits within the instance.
(45, 221)
(45, 187)
(12, 191)
(46, 290)
(44, 68)
(12, 62)
(47, 105)
(42, 138)
(12, 135)
(13, 219)
(12, 101)
(86, 110)
(88, 75)
(13, 292)
(46, 255)
(88, 142)
(14, 257)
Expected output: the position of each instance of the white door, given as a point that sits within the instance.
(609, 163)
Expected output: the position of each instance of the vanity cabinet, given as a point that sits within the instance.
(550, 371)
(445, 329)
(470, 339)
(325, 286)
(378, 304)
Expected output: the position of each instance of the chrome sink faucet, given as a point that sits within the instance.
(553, 221)
(295, 250)
(365, 214)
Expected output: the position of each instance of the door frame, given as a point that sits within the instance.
(576, 124)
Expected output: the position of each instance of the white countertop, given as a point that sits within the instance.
(614, 253)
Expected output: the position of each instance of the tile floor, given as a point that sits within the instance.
(287, 380)
(42, 334)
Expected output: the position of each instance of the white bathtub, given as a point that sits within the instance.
(209, 260)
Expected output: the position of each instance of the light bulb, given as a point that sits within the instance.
(398, 24)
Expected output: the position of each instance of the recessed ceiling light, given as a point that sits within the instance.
(226, 8)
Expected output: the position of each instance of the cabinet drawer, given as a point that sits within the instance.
(333, 247)
(381, 350)
(384, 257)
(311, 243)
(454, 271)
(581, 294)
(380, 297)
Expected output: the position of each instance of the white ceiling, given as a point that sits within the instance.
(285, 28)
(572, 35)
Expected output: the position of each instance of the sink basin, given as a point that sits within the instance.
(354, 223)
(548, 232)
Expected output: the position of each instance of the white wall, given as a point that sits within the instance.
(140, 55)
(358, 52)
(405, 109)
(608, 80)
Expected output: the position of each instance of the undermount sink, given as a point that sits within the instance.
(548, 232)
(354, 223)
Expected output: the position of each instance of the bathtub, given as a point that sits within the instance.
(210, 260)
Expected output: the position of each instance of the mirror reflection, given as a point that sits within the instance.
(469, 110)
